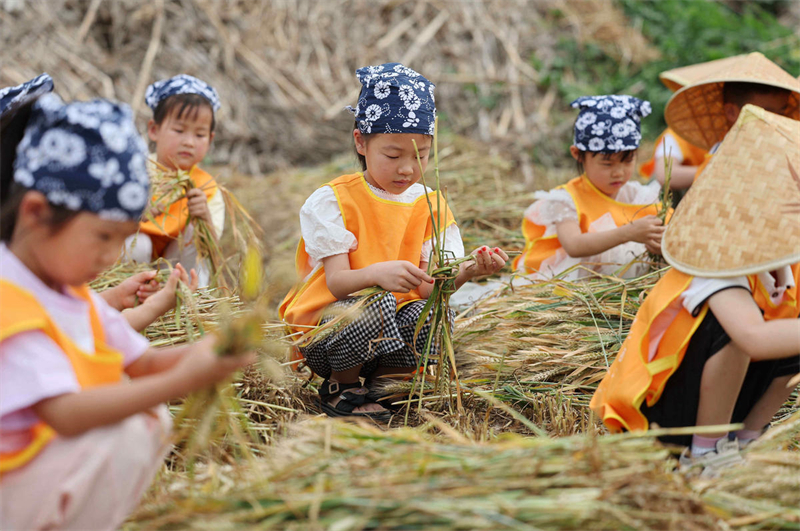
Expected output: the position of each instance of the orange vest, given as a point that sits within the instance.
(385, 230)
(591, 204)
(632, 378)
(22, 312)
(692, 155)
(168, 225)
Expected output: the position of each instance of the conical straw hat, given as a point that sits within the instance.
(696, 112)
(677, 78)
(742, 215)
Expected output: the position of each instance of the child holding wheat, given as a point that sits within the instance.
(78, 443)
(374, 228)
(182, 129)
(140, 297)
(600, 220)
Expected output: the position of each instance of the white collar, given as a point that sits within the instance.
(782, 280)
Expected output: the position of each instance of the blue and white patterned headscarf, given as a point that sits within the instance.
(85, 156)
(609, 124)
(394, 99)
(180, 84)
(11, 98)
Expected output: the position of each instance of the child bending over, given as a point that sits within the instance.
(79, 443)
(717, 339)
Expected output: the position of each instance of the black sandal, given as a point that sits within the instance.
(351, 396)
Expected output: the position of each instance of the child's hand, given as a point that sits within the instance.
(133, 289)
(488, 261)
(653, 248)
(164, 300)
(647, 230)
(201, 366)
(400, 276)
(198, 205)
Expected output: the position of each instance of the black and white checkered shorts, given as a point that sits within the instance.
(380, 336)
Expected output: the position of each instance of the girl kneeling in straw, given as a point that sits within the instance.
(374, 228)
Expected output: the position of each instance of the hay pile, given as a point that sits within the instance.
(335, 475)
(330, 474)
(284, 69)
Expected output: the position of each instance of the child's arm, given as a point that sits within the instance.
(396, 275)
(75, 413)
(577, 244)
(157, 305)
(131, 290)
(741, 319)
(681, 178)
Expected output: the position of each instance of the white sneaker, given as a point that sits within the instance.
(725, 455)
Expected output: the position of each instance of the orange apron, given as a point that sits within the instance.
(385, 230)
(632, 378)
(591, 205)
(22, 312)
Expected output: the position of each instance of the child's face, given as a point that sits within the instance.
(777, 103)
(608, 173)
(182, 142)
(71, 254)
(391, 160)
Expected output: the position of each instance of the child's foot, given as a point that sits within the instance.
(725, 455)
(349, 400)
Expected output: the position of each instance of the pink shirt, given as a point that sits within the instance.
(33, 367)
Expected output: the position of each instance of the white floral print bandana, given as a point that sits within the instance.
(394, 99)
(609, 124)
(180, 84)
(11, 98)
(85, 156)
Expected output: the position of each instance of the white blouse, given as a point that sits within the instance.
(554, 206)
(324, 233)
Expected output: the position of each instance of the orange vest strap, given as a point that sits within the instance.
(591, 204)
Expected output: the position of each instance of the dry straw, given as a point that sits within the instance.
(742, 215)
(696, 112)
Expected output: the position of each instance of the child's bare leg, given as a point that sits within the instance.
(768, 404)
(351, 376)
(723, 375)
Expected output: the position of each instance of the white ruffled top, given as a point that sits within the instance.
(554, 206)
(324, 233)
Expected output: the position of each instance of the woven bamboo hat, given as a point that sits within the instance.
(677, 78)
(696, 111)
(742, 216)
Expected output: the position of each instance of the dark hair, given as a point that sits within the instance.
(12, 129)
(361, 158)
(627, 156)
(187, 104)
(740, 92)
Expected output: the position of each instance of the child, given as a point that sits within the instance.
(686, 158)
(599, 220)
(702, 113)
(374, 228)
(78, 443)
(717, 339)
(182, 129)
(137, 288)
